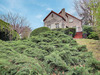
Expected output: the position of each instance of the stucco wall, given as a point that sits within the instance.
(52, 21)
(76, 23)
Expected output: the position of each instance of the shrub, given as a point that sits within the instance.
(6, 32)
(70, 30)
(67, 31)
(87, 30)
(39, 30)
(45, 54)
(79, 71)
(93, 35)
(89, 33)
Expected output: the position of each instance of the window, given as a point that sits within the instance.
(57, 25)
(70, 20)
(62, 25)
(49, 26)
(77, 29)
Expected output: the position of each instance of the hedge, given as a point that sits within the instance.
(89, 33)
(47, 53)
(67, 31)
(6, 32)
(39, 30)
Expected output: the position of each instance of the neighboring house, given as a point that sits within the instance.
(63, 20)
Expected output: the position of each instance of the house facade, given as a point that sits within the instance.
(62, 20)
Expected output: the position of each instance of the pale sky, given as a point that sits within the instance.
(36, 10)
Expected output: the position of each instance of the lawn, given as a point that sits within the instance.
(92, 45)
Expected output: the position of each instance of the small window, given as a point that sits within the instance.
(70, 20)
(77, 29)
(57, 25)
(49, 26)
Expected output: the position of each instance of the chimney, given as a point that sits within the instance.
(63, 12)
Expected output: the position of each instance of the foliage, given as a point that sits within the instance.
(87, 29)
(39, 30)
(67, 31)
(93, 35)
(6, 32)
(95, 8)
(84, 11)
(90, 32)
(18, 23)
(45, 54)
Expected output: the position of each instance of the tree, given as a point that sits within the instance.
(19, 23)
(84, 11)
(89, 10)
(95, 7)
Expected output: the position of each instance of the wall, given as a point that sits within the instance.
(76, 23)
(53, 20)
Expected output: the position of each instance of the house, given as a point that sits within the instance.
(63, 20)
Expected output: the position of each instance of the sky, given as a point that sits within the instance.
(36, 10)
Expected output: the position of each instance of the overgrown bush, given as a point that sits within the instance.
(45, 54)
(6, 32)
(39, 30)
(93, 35)
(67, 31)
(90, 33)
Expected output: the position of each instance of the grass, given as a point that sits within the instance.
(92, 45)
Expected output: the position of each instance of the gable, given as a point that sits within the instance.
(72, 16)
(67, 14)
(53, 14)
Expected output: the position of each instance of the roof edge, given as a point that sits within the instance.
(71, 16)
(54, 13)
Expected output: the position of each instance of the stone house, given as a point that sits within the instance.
(63, 20)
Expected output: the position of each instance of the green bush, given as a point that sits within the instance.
(47, 53)
(6, 32)
(70, 30)
(39, 30)
(67, 31)
(93, 35)
(87, 30)
(79, 71)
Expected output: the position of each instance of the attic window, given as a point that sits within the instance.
(70, 20)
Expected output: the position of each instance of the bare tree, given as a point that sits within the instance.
(18, 23)
(83, 9)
